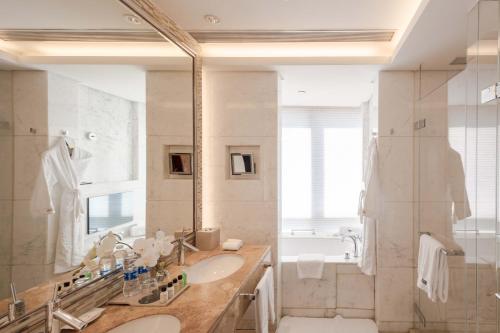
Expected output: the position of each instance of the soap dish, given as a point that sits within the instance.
(140, 300)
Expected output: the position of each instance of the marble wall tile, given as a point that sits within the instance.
(434, 109)
(7, 166)
(309, 293)
(394, 326)
(6, 114)
(29, 243)
(433, 177)
(6, 218)
(27, 276)
(396, 168)
(27, 153)
(394, 295)
(5, 272)
(169, 216)
(248, 108)
(355, 291)
(308, 313)
(355, 313)
(30, 102)
(395, 235)
(169, 103)
(63, 105)
(396, 103)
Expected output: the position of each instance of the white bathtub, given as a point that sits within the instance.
(332, 247)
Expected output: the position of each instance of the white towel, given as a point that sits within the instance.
(432, 269)
(264, 302)
(310, 266)
(232, 244)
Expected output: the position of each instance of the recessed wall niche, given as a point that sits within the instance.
(177, 162)
(242, 162)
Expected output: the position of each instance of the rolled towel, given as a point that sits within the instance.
(232, 244)
(310, 266)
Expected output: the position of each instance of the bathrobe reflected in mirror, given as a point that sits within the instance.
(57, 191)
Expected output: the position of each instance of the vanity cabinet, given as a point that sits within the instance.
(233, 319)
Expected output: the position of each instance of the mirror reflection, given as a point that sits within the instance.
(93, 101)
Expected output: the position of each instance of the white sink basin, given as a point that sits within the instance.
(214, 268)
(150, 324)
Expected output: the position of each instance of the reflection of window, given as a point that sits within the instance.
(321, 167)
(109, 211)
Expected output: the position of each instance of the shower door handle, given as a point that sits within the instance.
(497, 295)
(490, 93)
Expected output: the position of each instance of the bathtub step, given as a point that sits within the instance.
(326, 325)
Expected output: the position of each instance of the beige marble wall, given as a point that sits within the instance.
(169, 121)
(241, 109)
(6, 176)
(30, 263)
(394, 280)
(343, 290)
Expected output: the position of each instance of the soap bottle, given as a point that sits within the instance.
(170, 290)
(120, 255)
(107, 263)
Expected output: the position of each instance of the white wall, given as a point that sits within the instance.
(241, 108)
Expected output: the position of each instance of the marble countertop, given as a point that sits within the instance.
(201, 306)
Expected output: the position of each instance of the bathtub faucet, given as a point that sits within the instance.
(355, 238)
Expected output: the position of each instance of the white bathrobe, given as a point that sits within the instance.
(60, 169)
(369, 208)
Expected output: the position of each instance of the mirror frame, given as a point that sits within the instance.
(165, 26)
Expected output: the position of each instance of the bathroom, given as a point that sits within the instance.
(237, 166)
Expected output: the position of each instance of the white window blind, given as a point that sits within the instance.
(321, 168)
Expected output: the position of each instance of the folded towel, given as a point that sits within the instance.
(264, 302)
(232, 244)
(310, 266)
(432, 269)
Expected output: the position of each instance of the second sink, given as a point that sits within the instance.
(214, 268)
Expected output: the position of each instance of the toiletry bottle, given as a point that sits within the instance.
(176, 285)
(180, 281)
(120, 255)
(143, 274)
(131, 285)
(184, 279)
(170, 290)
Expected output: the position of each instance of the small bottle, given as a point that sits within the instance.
(176, 285)
(180, 281)
(184, 279)
(143, 274)
(163, 297)
(170, 290)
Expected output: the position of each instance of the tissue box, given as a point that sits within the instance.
(207, 239)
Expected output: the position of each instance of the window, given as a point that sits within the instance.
(321, 168)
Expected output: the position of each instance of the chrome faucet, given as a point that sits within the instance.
(181, 244)
(54, 312)
(355, 238)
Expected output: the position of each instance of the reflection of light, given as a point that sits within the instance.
(91, 49)
(483, 48)
(380, 49)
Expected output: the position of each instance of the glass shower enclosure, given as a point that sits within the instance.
(457, 180)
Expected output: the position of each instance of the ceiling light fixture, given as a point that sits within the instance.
(301, 91)
(132, 19)
(212, 19)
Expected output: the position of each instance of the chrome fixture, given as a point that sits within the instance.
(355, 238)
(54, 311)
(16, 309)
(132, 19)
(181, 244)
(212, 19)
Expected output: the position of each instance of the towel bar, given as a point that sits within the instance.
(250, 296)
(449, 253)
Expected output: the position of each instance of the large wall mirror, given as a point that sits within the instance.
(96, 134)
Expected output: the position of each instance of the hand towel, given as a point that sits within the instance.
(432, 269)
(264, 302)
(232, 244)
(310, 266)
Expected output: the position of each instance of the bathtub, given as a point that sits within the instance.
(332, 247)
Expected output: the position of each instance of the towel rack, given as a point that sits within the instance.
(449, 253)
(251, 297)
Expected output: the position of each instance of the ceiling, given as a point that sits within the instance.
(341, 86)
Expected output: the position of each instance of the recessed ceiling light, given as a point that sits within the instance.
(132, 19)
(212, 19)
(301, 91)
